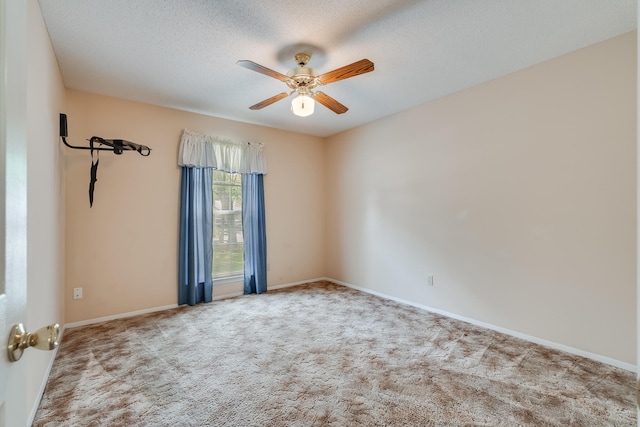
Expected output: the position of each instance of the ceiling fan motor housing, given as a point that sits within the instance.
(302, 71)
(303, 77)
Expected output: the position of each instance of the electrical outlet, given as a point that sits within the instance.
(77, 293)
(430, 280)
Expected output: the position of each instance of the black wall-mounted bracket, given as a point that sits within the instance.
(117, 146)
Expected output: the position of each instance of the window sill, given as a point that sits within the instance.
(231, 279)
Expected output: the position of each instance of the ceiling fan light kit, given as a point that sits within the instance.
(302, 105)
(302, 80)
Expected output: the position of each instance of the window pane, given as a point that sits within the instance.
(228, 249)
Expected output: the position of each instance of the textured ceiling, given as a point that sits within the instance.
(182, 53)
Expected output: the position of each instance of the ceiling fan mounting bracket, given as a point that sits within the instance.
(302, 58)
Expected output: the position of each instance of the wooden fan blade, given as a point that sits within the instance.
(351, 70)
(269, 101)
(330, 103)
(263, 70)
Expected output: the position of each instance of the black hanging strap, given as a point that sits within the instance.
(94, 172)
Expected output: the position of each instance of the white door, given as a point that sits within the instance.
(13, 204)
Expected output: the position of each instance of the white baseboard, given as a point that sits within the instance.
(550, 344)
(45, 378)
(119, 316)
(168, 307)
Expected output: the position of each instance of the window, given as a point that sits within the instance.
(228, 244)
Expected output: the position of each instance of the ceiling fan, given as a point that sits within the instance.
(303, 80)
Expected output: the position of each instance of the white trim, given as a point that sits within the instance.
(169, 307)
(536, 340)
(45, 379)
(119, 316)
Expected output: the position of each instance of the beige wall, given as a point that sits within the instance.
(45, 197)
(123, 251)
(518, 195)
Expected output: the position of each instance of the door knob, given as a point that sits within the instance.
(44, 339)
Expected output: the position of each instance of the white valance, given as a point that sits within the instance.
(205, 151)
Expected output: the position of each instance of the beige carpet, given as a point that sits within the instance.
(316, 355)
